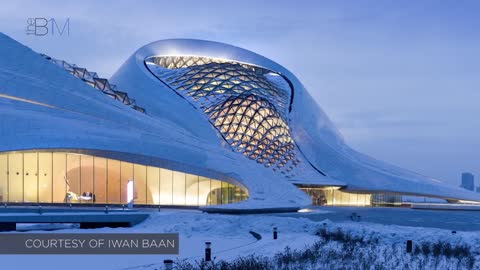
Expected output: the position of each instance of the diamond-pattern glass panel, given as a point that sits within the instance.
(246, 104)
(253, 127)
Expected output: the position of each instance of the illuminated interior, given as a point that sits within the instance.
(254, 128)
(61, 177)
(209, 80)
(174, 62)
(336, 196)
(245, 103)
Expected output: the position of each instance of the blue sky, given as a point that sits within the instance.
(399, 78)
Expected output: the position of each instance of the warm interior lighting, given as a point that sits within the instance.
(468, 202)
(305, 210)
(130, 193)
(333, 195)
(243, 102)
(60, 177)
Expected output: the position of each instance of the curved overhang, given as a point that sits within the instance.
(212, 49)
(230, 53)
(317, 138)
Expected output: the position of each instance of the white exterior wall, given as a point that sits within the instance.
(173, 134)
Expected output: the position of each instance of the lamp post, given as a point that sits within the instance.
(168, 264)
(208, 251)
(409, 246)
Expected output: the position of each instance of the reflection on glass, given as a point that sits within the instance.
(215, 196)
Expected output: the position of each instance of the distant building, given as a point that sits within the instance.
(467, 181)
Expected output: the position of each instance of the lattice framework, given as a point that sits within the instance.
(102, 84)
(242, 103)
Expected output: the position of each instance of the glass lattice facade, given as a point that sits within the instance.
(247, 104)
(61, 177)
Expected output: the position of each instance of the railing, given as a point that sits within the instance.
(92, 79)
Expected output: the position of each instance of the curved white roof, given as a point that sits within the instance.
(44, 107)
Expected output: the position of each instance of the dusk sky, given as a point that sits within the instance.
(400, 79)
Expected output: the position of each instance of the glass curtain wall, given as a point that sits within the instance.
(334, 196)
(386, 199)
(59, 177)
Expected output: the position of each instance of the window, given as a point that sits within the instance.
(3, 177)
(73, 177)
(30, 178)
(216, 192)
(100, 178)
(59, 174)
(153, 185)
(15, 177)
(126, 174)
(203, 191)
(178, 188)
(191, 186)
(45, 177)
(140, 184)
(113, 174)
(58, 177)
(166, 187)
(87, 174)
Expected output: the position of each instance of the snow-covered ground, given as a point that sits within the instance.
(230, 238)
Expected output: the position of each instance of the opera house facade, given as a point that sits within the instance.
(189, 123)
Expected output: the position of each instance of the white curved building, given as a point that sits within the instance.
(192, 123)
